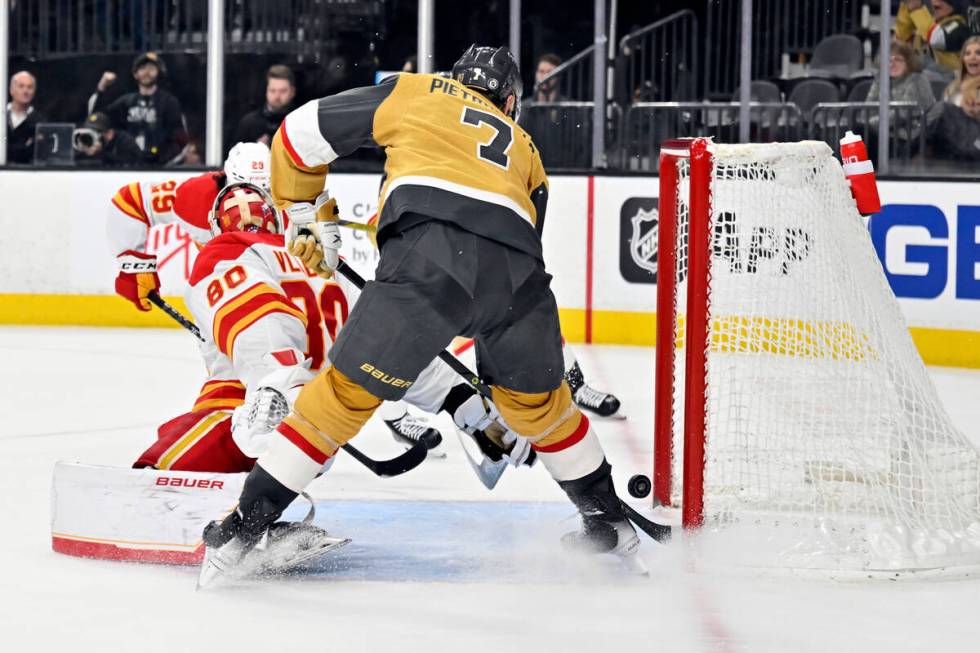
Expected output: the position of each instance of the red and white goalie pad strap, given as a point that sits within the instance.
(137, 515)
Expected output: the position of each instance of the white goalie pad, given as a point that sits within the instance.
(137, 515)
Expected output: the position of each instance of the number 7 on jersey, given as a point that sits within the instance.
(495, 151)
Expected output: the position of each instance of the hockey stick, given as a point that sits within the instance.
(447, 358)
(408, 460)
(658, 532)
(358, 226)
(489, 470)
(178, 317)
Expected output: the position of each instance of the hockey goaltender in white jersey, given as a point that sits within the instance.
(267, 323)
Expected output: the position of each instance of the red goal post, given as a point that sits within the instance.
(696, 150)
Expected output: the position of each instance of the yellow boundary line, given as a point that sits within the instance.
(937, 346)
(82, 310)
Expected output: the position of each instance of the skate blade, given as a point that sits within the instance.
(211, 569)
(630, 555)
(284, 553)
(295, 559)
(634, 565)
(282, 557)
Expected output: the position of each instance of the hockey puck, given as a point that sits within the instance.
(639, 486)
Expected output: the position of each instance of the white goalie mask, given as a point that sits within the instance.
(242, 206)
(249, 163)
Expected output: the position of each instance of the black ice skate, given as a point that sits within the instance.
(605, 527)
(595, 401)
(240, 546)
(409, 429)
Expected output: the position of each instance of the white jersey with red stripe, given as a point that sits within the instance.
(269, 321)
(136, 208)
(258, 304)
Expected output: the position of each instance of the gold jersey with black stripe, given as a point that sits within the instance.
(450, 155)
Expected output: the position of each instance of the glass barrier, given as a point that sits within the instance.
(814, 75)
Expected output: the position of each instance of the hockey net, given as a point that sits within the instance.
(804, 414)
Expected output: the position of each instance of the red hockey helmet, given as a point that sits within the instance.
(242, 206)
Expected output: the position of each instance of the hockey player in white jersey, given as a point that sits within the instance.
(139, 206)
(245, 292)
(200, 440)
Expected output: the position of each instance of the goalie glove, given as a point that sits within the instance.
(137, 278)
(265, 407)
(313, 234)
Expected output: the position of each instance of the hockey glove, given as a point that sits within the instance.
(313, 234)
(271, 400)
(137, 278)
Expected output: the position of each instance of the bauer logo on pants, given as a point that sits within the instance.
(638, 240)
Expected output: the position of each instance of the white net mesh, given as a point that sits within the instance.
(824, 431)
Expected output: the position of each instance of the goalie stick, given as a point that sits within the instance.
(410, 459)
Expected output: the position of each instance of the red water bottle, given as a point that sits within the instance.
(860, 172)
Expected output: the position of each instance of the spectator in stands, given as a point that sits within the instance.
(102, 144)
(969, 69)
(957, 132)
(22, 119)
(907, 85)
(151, 115)
(547, 92)
(942, 32)
(261, 124)
(411, 65)
(907, 82)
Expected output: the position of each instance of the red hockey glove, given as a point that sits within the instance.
(137, 278)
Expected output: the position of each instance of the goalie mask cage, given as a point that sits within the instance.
(793, 405)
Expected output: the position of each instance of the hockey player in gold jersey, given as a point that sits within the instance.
(461, 210)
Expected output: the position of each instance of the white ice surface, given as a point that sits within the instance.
(96, 396)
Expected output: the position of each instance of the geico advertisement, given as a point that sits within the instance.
(927, 237)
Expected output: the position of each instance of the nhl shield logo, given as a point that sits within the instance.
(638, 228)
(643, 240)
